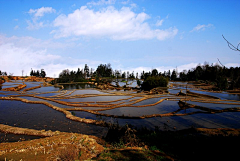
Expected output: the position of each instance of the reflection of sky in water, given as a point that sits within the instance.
(51, 102)
(15, 84)
(44, 89)
(36, 116)
(10, 84)
(130, 83)
(47, 94)
(213, 106)
(148, 101)
(31, 84)
(220, 95)
(96, 99)
(164, 107)
(77, 86)
(88, 91)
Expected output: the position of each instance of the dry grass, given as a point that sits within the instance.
(68, 152)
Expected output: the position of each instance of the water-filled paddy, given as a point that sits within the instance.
(164, 107)
(44, 89)
(87, 91)
(97, 99)
(78, 86)
(223, 96)
(38, 116)
(214, 106)
(137, 109)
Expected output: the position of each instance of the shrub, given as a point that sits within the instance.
(154, 81)
(68, 152)
(222, 83)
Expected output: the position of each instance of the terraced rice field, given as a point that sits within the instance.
(90, 111)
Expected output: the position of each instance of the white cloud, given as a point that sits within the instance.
(159, 22)
(125, 2)
(232, 65)
(24, 53)
(187, 66)
(133, 5)
(109, 22)
(33, 43)
(168, 33)
(14, 59)
(201, 27)
(41, 11)
(34, 25)
(16, 27)
(36, 15)
(102, 2)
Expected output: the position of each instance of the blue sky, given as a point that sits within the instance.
(132, 35)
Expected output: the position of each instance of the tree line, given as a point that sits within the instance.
(84, 74)
(221, 76)
(3, 73)
(38, 73)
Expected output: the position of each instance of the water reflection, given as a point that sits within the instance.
(78, 86)
(37, 116)
(83, 101)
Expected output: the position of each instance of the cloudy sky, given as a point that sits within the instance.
(132, 35)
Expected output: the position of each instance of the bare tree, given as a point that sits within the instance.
(220, 63)
(232, 46)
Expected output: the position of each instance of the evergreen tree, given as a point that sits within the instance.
(86, 71)
(43, 73)
(123, 75)
(31, 73)
(104, 70)
(154, 72)
(174, 75)
(37, 74)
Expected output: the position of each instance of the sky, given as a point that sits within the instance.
(131, 35)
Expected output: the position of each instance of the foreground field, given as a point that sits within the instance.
(189, 144)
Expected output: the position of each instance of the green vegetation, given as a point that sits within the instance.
(38, 74)
(104, 70)
(154, 81)
(67, 76)
(223, 78)
(83, 75)
(3, 73)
